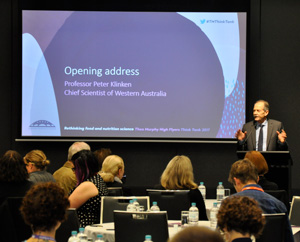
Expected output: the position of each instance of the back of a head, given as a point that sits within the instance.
(110, 167)
(38, 158)
(44, 205)
(258, 160)
(244, 170)
(101, 154)
(178, 174)
(241, 214)
(86, 165)
(197, 234)
(76, 147)
(12, 167)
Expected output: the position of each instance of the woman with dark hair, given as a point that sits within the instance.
(179, 175)
(240, 218)
(86, 196)
(13, 176)
(44, 208)
(262, 168)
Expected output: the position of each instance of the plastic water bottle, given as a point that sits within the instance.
(193, 215)
(154, 207)
(220, 191)
(213, 216)
(202, 189)
(148, 238)
(131, 207)
(73, 237)
(136, 204)
(99, 238)
(82, 236)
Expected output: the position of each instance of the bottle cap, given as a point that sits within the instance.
(99, 236)
(201, 183)
(74, 232)
(154, 203)
(148, 236)
(220, 183)
(81, 229)
(193, 204)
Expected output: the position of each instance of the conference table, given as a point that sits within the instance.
(108, 229)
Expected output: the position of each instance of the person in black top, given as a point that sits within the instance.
(179, 175)
(262, 168)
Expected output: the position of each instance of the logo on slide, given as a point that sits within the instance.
(42, 123)
(202, 21)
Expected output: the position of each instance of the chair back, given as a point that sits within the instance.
(281, 195)
(109, 204)
(274, 229)
(295, 211)
(129, 226)
(115, 191)
(12, 221)
(172, 201)
(71, 223)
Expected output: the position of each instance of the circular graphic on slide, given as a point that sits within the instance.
(155, 74)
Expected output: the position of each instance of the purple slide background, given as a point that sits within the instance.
(172, 55)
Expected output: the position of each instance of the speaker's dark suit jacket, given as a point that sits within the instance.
(273, 143)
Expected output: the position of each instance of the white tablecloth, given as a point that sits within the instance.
(108, 232)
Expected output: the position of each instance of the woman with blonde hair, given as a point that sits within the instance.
(36, 163)
(179, 175)
(112, 173)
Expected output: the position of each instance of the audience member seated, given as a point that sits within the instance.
(197, 234)
(112, 172)
(65, 176)
(36, 163)
(13, 176)
(101, 154)
(44, 208)
(86, 196)
(243, 175)
(262, 168)
(179, 175)
(240, 218)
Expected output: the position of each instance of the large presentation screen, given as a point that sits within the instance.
(151, 75)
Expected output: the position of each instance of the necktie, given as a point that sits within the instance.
(260, 139)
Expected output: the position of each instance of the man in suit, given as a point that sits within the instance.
(262, 134)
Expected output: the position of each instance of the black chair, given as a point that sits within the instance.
(12, 223)
(295, 211)
(109, 204)
(115, 191)
(274, 229)
(130, 227)
(172, 201)
(72, 223)
(281, 195)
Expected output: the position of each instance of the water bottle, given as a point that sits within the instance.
(202, 189)
(193, 215)
(154, 207)
(99, 238)
(73, 237)
(136, 204)
(148, 238)
(220, 192)
(131, 207)
(82, 236)
(213, 216)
